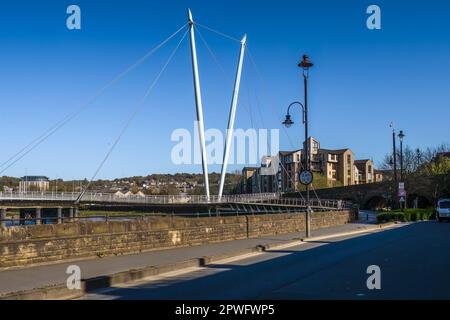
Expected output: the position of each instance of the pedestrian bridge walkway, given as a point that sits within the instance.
(55, 207)
(133, 199)
(265, 199)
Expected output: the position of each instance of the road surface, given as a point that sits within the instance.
(414, 261)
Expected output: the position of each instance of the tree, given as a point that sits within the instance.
(320, 181)
(438, 166)
(169, 189)
(417, 160)
(428, 169)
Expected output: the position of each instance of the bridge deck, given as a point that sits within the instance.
(110, 198)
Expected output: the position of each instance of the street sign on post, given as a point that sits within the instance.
(401, 189)
(306, 177)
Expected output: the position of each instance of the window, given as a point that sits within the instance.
(349, 159)
(444, 204)
(315, 146)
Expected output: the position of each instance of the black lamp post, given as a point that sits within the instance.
(305, 64)
(401, 136)
(394, 153)
(393, 161)
(288, 123)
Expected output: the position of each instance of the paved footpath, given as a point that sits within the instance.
(53, 274)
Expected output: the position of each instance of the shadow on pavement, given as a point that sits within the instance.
(336, 270)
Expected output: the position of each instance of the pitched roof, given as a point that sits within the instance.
(286, 153)
(34, 178)
(338, 151)
(362, 161)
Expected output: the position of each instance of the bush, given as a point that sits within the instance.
(432, 215)
(407, 215)
(382, 217)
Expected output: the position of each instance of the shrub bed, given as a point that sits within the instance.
(407, 215)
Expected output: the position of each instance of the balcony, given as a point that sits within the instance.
(332, 158)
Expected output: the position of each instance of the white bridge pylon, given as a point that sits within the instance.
(198, 103)
(199, 107)
(232, 116)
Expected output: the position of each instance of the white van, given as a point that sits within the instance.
(443, 210)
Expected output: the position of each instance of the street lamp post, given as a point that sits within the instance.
(394, 152)
(394, 161)
(401, 136)
(305, 64)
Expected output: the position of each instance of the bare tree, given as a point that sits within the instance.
(417, 160)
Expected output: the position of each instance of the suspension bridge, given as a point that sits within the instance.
(71, 201)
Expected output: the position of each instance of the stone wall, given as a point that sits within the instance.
(28, 245)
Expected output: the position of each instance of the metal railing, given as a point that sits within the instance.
(133, 198)
(258, 209)
(314, 203)
(236, 208)
(272, 198)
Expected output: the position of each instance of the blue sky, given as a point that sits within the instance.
(362, 79)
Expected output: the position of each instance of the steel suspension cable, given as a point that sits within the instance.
(249, 102)
(225, 75)
(290, 177)
(41, 138)
(136, 110)
(257, 71)
(214, 57)
(253, 63)
(221, 68)
(258, 101)
(217, 32)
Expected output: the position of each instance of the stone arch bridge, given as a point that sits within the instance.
(378, 195)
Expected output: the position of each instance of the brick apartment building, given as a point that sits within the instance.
(338, 166)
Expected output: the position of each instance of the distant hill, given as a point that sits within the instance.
(191, 183)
